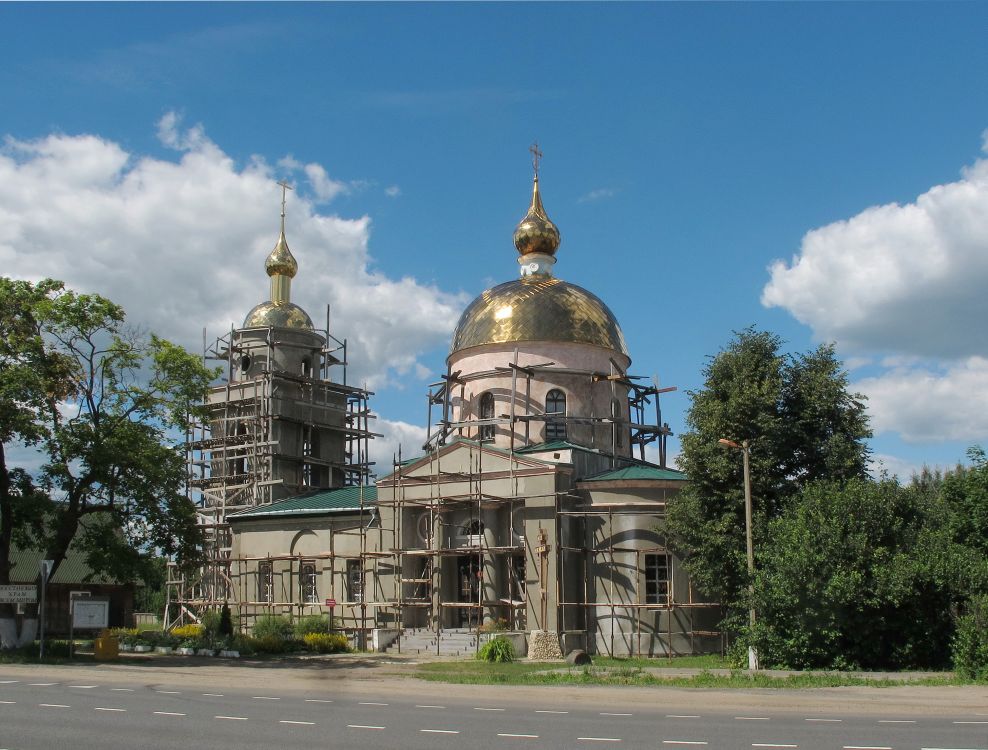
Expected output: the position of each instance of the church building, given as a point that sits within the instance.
(531, 509)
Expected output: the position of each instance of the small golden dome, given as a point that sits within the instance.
(281, 261)
(536, 233)
(538, 308)
(278, 315)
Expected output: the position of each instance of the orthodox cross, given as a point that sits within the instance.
(284, 188)
(536, 157)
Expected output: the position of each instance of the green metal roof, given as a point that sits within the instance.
(73, 569)
(314, 503)
(638, 471)
(554, 445)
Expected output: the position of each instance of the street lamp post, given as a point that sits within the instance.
(745, 448)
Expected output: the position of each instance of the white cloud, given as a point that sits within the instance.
(181, 245)
(392, 191)
(384, 450)
(906, 279)
(597, 195)
(325, 188)
(930, 403)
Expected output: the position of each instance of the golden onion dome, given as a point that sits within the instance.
(279, 315)
(536, 233)
(538, 308)
(281, 261)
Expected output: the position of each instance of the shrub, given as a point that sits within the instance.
(497, 626)
(310, 624)
(277, 626)
(970, 644)
(326, 643)
(269, 644)
(211, 621)
(497, 650)
(226, 622)
(183, 632)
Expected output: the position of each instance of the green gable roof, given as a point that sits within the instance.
(638, 471)
(314, 503)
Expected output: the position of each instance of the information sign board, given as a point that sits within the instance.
(330, 602)
(18, 594)
(91, 613)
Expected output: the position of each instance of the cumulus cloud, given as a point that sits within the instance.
(384, 450)
(180, 243)
(897, 278)
(930, 403)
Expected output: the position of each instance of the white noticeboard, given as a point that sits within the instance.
(18, 594)
(92, 613)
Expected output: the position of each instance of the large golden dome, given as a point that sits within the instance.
(538, 308)
(278, 315)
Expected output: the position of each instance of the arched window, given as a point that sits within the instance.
(486, 411)
(555, 405)
(619, 425)
(245, 362)
(306, 367)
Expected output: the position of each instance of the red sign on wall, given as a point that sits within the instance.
(330, 602)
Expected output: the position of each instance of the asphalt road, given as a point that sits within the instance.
(49, 708)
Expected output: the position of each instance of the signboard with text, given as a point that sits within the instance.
(330, 602)
(18, 594)
(92, 613)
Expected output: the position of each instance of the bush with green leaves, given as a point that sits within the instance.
(225, 628)
(970, 644)
(311, 624)
(211, 622)
(326, 643)
(273, 626)
(497, 650)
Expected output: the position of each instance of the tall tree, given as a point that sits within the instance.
(802, 425)
(105, 407)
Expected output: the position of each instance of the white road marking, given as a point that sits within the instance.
(8, 682)
(519, 736)
(896, 721)
(834, 720)
(370, 703)
(264, 698)
(971, 722)
(119, 710)
(551, 712)
(83, 687)
(682, 716)
(7, 703)
(683, 742)
(478, 708)
(362, 726)
(302, 723)
(168, 692)
(752, 718)
(770, 744)
(42, 684)
(951, 748)
(232, 718)
(123, 690)
(166, 713)
(604, 713)
(317, 700)
(214, 695)
(53, 705)
(866, 747)
(430, 707)
(599, 739)
(439, 731)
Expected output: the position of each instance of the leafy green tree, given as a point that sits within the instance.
(860, 574)
(104, 406)
(802, 424)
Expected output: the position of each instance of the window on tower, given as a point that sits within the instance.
(555, 413)
(486, 411)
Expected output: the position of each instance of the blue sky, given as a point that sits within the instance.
(688, 148)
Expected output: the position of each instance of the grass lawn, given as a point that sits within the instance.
(606, 671)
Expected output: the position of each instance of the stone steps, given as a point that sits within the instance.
(460, 643)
